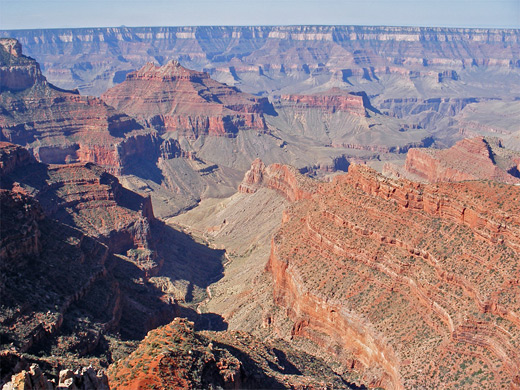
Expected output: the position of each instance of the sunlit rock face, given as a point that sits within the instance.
(406, 282)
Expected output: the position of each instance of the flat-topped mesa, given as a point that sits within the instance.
(409, 280)
(469, 159)
(282, 178)
(173, 98)
(59, 126)
(335, 99)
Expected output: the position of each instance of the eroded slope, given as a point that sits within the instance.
(417, 283)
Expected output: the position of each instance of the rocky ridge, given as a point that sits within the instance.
(86, 268)
(175, 356)
(469, 159)
(60, 126)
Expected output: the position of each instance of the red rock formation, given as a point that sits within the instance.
(62, 288)
(469, 159)
(330, 101)
(60, 126)
(283, 178)
(173, 98)
(414, 285)
(82, 195)
(176, 356)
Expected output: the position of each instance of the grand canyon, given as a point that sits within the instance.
(300, 207)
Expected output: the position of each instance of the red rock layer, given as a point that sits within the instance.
(173, 98)
(469, 159)
(418, 284)
(60, 126)
(331, 101)
(63, 289)
(283, 178)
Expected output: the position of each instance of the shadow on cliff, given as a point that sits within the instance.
(187, 259)
(147, 170)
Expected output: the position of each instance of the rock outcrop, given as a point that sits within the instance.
(331, 101)
(75, 249)
(60, 126)
(470, 159)
(282, 178)
(176, 356)
(35, 379)
(173, 98)
(413, 285)
(84, 196)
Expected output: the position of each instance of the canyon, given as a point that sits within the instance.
(423, 75)
(214, 215)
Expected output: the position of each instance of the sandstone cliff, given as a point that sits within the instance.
(282, 178)
(173, 98)
(331, 101)
(469, 159)
(413, 285)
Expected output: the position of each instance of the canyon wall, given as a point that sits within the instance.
(282, 178)
(60, 126)
(231, 52)
(469, 159)
(412, 285)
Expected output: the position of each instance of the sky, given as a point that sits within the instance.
(26, 14)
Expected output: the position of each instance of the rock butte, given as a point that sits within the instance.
(391, 276)
(173, 98)
(331, 101)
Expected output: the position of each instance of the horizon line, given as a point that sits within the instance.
(264, 25)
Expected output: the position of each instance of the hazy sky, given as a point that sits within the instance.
(19, 14)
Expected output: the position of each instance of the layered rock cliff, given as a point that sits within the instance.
(331, 101)
(469, 159)
(282, 178)
(173, 98)
(84, 196)
(60, 126)
(276, 51)
(413, 285)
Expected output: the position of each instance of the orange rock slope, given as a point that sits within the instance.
(415, 286)
(173, 98)
(469, 159)
(175, 356)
